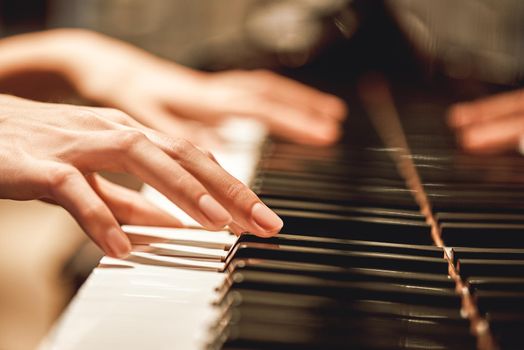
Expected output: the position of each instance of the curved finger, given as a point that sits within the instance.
(131, 151)
(155, 116)
(485, 109)
(290, 123)
(70, 189)
(491, 137)
(139, 156)
(291, 91)
(128, 206)
(246, 209)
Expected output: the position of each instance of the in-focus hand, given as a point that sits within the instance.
(166, 96)
(490, 125)
(52, 152)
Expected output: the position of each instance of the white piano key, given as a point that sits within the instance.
(183, 236)
(186, 251)
(136, 318)
(176, 286)
(175, 262)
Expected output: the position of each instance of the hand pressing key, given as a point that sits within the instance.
(52, 151)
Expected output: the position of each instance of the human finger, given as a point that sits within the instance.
(132, 151)
(68, 187)
(129, 206)
(495, 136)
(290, 123)
(467, 113)
(246, 209)
(295, 93)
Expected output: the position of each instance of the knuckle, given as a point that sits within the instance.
(209, 155)
(182, 147)
(184, 180)
(91, 212)
(118, 116)
(236, 191)
(127, 140)
(58, 176)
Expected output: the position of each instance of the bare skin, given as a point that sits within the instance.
(490, 125)
(52, 151)
(165, 96)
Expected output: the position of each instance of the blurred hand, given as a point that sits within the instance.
(490, 125)
(166, 96)
(51, 152)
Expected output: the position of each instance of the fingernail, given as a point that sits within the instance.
(328, 133)
(118, 243)
(213, 210)
(457, 116)
(266, 218)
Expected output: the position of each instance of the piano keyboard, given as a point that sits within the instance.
(357, 264)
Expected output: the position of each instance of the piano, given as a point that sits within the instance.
(388, 243)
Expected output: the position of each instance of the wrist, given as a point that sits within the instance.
(43, 51)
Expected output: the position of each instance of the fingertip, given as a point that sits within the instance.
(269, 222)
(470, 141)
(324, 134)
(335, 107)
(458, 115)
(118, 244)
(268, 234)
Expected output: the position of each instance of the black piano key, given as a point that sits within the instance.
(341, 317)
(392, 197)
(333, 257)
(343, 273)
(487, 267)
(343, 244)
(500, 300)
(338, 152)
(331, 328)
(355, 227)
(495, 283)
(242, 336)
(331, 208)
(488, 253)
(333, 170)
(483, 235)
(507, 327)
(343, 290)
(495, 218)
(336, 178)
(280, 179)
(359, 307)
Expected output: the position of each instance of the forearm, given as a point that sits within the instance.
(48, 51)
(86, 59)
